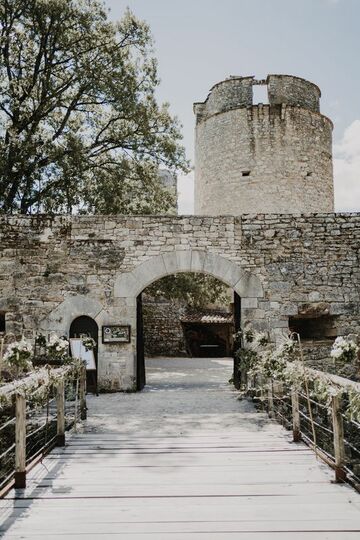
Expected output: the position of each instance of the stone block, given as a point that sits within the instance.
(314, 296)
(289, 309)
(125, 285)
(183, 260)
(149, 271)
(197, 261)
(279, 323)
(222, 269)
(249, 286)
(249, 303)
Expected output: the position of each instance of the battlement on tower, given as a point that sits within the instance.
(237, 92)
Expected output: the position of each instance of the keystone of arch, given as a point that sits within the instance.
(132, 283)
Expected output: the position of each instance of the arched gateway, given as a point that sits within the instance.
(130, 285)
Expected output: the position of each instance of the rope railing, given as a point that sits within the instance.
(35, 413)
(322, 426)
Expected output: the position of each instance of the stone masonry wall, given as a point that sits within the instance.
(285, 153)
(53, 269)
(289, 90)
(263, 158)
(225, 95)
(163, 333)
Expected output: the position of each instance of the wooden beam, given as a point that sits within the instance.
(295, 415)
(82, 394)
(339, 445)
(270, 399)
(20, 441)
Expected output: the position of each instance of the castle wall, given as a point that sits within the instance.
(226, 95)
(263, 158)
(163, 333)
(290, 90)
(53, 269)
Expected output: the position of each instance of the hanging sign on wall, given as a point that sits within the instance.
(115, 333)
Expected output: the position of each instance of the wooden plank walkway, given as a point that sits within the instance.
(208, 475)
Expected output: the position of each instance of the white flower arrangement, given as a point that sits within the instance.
(249, 334)
(287, 347)
(18, 354)
(57, 347)
(89, 343)
(344, 349)
(285, 364)
(272, 363)
(261, 339)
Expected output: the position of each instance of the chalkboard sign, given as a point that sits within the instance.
(78, 351)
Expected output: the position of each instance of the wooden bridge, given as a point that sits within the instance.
(185, 459)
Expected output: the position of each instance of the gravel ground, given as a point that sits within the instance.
(182, 395)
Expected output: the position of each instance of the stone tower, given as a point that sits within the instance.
(259, 158)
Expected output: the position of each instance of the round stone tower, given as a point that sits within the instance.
(274, 157)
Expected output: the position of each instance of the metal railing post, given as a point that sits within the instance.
(295, 415)
(270, 399)
(249, 382)
(20, 441)
(60, 406)
(339, 445)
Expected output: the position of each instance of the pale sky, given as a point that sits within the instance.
(201, 42)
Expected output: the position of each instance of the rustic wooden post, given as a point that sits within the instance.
(339, 445)
(76, 405)
(295, 415)
(270, 399)
(261, 391)
(60, 404)
(244, 377)
(249, 382)
(1, 356)
(82, 392)
(20, 441)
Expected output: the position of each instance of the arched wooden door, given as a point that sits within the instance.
(87, 325)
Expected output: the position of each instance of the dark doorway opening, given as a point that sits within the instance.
(208, 335)
(314, 328)
(86, 325)
(140, 346)
(237, 343)
(206, 330)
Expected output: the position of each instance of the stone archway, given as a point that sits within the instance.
(129, 286)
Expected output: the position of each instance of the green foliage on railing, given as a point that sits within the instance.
(285, 364)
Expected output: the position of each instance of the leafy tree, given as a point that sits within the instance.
(196, 290)
(79, 122)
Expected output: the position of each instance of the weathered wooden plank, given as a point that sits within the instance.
(209, 535)
(204, 476)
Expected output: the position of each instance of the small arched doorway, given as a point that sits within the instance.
(86, 325)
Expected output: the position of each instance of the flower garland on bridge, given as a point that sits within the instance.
(258, 357)
(32, 381)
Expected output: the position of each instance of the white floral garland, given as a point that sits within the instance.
(283, 364)
(36, 385)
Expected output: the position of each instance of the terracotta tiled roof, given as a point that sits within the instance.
(207, 317)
